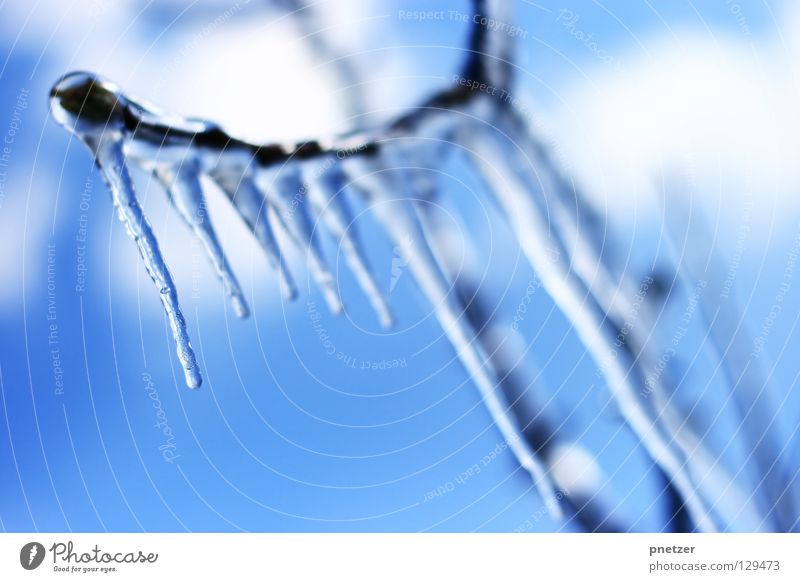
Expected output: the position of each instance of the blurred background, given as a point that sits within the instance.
(309, 422)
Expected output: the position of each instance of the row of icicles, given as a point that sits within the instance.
(299, 196)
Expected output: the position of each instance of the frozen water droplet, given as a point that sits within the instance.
(87, 105)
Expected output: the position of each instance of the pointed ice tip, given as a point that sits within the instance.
(193, 378)
(290, 292)
(336, 307)
(240, 307)
(331, 295)
(86, 104)
(386, 320)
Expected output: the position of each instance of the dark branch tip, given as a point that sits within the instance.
(82, 102)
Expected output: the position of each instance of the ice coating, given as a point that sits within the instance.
(91, 109)
(186, 195)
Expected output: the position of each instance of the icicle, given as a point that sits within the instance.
(547, 254)
(721, 491)
(289, 195)
(687, 232)
(186, 194)
(502, 346)
(610, 290)
(723, 495)
(111, 161)
(576, 220)
(93, 111)
(402, 225)
(577, 223)
(326, 193)
(255, 210)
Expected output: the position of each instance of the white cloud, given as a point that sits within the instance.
(723, 109)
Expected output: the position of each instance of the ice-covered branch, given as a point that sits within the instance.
(293, 187)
